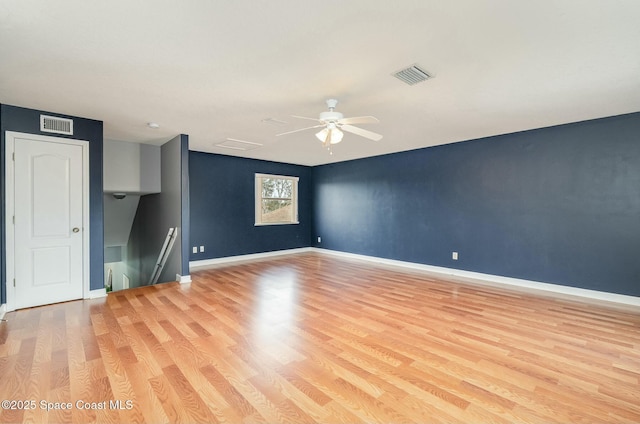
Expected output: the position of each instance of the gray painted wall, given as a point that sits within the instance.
(156, 214)
(133, 169)
(170, 203)
(118, 219)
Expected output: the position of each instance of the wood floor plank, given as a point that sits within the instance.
(169, 399)
(314, 338)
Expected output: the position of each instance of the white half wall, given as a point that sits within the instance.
(131, 168)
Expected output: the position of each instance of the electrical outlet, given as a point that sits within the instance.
(454, 256)
(195, 249)
(201, 249)
(319, 239)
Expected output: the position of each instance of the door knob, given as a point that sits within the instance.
(76, 229)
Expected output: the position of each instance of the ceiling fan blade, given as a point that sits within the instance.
(359, 120)
(301, 129)
(363, 133)
(304, 117)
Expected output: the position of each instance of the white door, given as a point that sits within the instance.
(48, 202)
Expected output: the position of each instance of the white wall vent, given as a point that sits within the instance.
(56, 125)
(412, 75)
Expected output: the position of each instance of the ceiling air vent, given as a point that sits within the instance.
(235, 144)
(412, 75)
(53, 124)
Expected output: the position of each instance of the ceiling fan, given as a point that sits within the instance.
(335, 123)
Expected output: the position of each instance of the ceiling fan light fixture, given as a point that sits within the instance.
(336, 135)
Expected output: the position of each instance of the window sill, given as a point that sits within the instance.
(265, 224)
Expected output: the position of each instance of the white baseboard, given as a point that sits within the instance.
(469, 276)
(183, 279)
(3, 310)
(96, 294)
(209, 263)
(496, 280)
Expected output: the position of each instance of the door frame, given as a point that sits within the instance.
(10, 139)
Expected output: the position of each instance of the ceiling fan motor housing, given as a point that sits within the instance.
(330, 116)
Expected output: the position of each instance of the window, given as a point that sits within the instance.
(276, 199)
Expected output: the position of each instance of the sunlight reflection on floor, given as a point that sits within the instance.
(278, 292)
(277, 310)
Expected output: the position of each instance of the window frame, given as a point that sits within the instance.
(258, 199)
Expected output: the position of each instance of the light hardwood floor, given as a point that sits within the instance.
(313, 338)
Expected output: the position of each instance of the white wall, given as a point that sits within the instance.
(131, 168)
(118, 271)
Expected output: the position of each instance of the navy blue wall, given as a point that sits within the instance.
(223, 212)
(559, 205)
(28, 121)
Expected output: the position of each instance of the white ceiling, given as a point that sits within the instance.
(216, 69)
